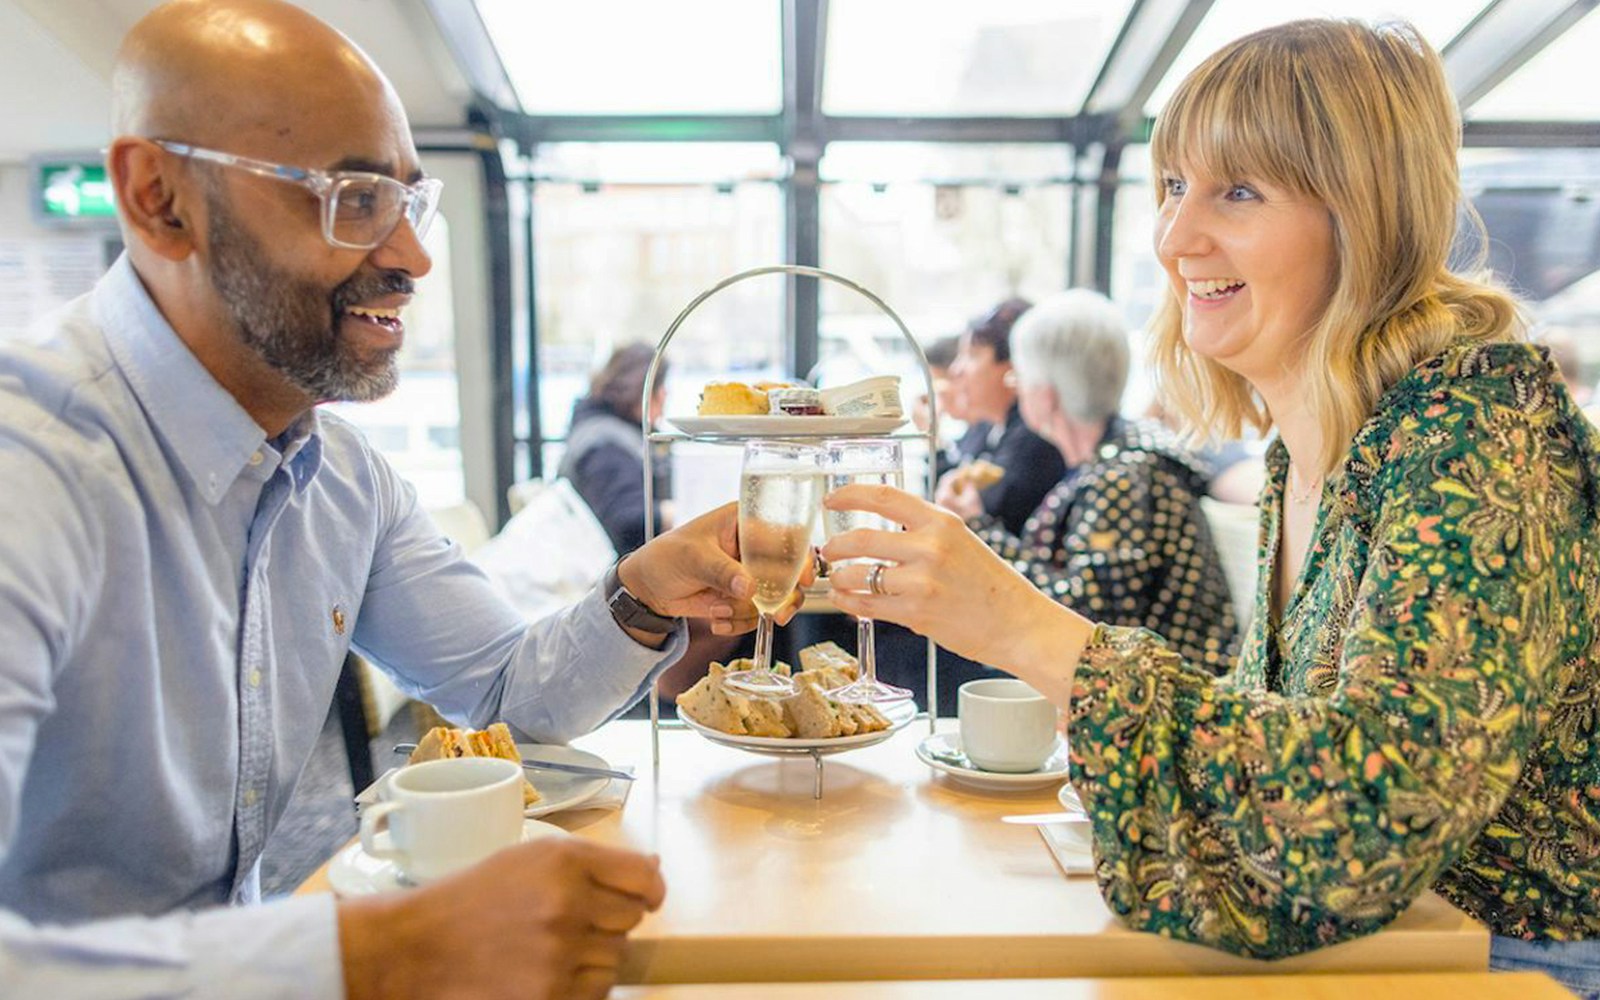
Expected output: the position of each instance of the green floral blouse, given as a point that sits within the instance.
(1425, 714)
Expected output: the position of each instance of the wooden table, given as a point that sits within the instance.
(898, 873)
(1407, 986)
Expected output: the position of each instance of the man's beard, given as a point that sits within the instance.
(293, 323)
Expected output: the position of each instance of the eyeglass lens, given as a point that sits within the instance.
(366, 210)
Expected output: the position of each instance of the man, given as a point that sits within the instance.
(189, 548)
(988, 387)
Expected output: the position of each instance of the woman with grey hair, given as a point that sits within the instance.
(1122, 536)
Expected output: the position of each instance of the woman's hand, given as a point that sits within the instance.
(945, 583)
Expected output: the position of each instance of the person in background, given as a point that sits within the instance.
(952, 411)
(1418, 705)
(606, 450)
(986, 387)
(189, 547)
(1121, 538)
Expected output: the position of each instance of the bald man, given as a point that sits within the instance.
(188, 547)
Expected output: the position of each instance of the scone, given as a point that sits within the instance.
(732, 399)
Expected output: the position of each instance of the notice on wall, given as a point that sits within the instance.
(38, 276)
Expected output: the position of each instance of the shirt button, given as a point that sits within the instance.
(256, 459)
(250, 796)
(255, 678)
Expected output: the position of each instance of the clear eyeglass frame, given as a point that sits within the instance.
(360, 210)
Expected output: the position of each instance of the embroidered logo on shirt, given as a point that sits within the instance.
(338, 620)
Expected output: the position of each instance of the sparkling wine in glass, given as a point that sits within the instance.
(872, 462)
(780, 490)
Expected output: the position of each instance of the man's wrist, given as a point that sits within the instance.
(628, 606)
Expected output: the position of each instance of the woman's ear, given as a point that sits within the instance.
(148, 197)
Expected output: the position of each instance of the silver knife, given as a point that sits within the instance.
(547, 765)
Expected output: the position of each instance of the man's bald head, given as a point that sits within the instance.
(257, 77)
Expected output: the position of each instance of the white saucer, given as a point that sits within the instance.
(354, 872)
(948, 745)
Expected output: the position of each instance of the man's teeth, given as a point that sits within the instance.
(388, 314)
(1214, 288)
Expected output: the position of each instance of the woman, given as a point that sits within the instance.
(1417, 701)
(987, 388)
(1121, 538)
(605, 456)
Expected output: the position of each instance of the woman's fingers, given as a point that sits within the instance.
(897, 505)
(868, 543)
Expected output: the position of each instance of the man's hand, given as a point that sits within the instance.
(693, 571)
(545, 919)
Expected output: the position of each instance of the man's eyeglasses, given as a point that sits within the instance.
(359, 209)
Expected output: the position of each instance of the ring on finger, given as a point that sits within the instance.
(875, 580)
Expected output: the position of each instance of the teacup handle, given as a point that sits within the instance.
(376, 839)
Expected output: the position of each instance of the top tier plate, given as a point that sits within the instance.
(785, 426)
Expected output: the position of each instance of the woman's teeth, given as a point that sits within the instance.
(1215, 288)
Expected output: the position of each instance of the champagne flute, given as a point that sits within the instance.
(780, 490)
(872, 462)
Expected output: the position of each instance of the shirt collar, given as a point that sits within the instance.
(202, 424)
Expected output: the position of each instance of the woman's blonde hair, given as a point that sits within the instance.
(1359, 118)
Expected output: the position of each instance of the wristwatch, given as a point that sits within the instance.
(628, 610)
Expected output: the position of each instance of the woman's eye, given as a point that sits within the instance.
(1174, 185)
(1242, 192)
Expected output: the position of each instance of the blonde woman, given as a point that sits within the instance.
(1417, 701)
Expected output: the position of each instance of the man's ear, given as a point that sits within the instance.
(154, 199)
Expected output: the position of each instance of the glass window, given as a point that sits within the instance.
(1010, 57)
(941, 234)
(615, 57)
(617, 262)
(1559, 83)
(1437, 20)
(417, 426)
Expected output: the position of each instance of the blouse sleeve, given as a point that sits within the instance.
(1266, 824)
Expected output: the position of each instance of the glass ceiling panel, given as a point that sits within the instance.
(1437, 20)
(1005, 57)
(945, 162)
(1559, 83)
(628, 57)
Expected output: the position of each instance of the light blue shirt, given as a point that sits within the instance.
(177, 595)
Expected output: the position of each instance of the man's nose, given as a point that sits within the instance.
(402, 251)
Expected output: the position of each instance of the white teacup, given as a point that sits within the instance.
(444, 815)
(1005, 725)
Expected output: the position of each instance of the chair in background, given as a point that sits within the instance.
(1235, 531)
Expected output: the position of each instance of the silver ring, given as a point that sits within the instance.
(875, 579)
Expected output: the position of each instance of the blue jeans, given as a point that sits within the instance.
(1573, 964)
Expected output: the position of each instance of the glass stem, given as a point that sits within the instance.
(865, 651)
(764, 641)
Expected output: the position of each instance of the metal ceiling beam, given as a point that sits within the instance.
(1501, 39)
(1529, 135)
(1077, 130)
(529, 129)
(474, 51)
(1152, 35)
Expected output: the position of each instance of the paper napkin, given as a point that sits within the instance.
(1070, 844)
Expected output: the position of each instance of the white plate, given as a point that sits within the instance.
(785, 426)
(557, 790)
(945, 745)
(354, 872)
(899, 713)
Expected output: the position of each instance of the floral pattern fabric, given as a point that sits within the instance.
(1424, 715)
(1122, 540)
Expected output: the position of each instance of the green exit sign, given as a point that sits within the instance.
(73, 189)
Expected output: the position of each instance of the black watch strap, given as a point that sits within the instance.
(629, 611)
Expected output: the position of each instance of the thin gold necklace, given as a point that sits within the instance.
(1311, 490)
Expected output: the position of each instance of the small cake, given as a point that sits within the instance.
(732, 399)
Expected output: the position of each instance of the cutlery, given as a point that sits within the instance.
(1034, 819)
(547, 765)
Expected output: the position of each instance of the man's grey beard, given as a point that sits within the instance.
(293, 323)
